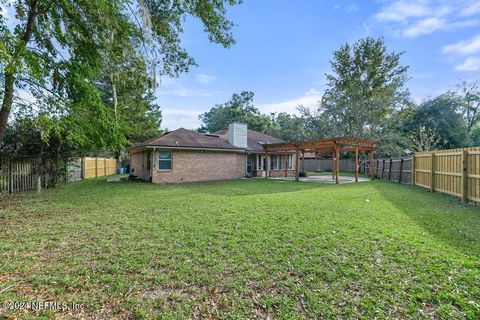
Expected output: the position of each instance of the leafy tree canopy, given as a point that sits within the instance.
(365, 87)
(440, 117)
(239, 108)
(59, 50)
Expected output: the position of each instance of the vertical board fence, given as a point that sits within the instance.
(17, 175)
(346, 165)
(98, 167)
(454, 171)
(392, 169)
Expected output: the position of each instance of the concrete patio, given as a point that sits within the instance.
(324, 179)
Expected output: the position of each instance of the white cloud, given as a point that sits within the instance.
(410, 18)
(424, 26)
(403, 10)
(204, 78)
(470, 64)
(310, 99)
(176, 87)
(349, 8)
(174, 118)
(470, 10)
(465, 47)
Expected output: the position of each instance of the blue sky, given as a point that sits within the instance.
(284, 47)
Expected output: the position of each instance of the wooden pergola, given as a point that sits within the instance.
(332, 145)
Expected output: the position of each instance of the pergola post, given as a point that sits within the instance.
(267, 163)
(372, 169)
(356, 164)
(296, 166)
(337, 165)
(333, 166)
(303, 160)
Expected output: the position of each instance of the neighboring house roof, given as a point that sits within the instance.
(183, 138)
(255, 140)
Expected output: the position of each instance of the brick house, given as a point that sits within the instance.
(185, 156)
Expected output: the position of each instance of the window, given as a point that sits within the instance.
(165, 160)
(260, 163)
(273, 162)
(281, 162)
(277, 162)
(290, 161)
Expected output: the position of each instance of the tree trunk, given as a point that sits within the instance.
(9, 86)
(7, 102)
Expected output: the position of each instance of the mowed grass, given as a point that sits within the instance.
(242, 249)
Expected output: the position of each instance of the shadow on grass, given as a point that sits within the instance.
(243, 187)
(229, 188)
(444, 217)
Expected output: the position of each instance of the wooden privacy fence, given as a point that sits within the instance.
(17, 175)
(346, 165)
(393, 169)
(98, 167)
(455, 172)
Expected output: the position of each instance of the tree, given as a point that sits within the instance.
(59, 48)
(439, 120)
(287, 127)
(239, 108)
(365, 87)
(470, 103)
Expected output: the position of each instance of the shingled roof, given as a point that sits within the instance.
(183, 138)
(255, 139)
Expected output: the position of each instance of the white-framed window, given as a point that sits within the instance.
(260, 163)
(164, 160)
(290, 162)
(273, 162)
(277, 162)
(281, 162)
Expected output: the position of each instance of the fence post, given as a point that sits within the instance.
(10, 177)
(383, 167)
(376, 167)
(390, 170)
(432, 172)
(401, 171)
(96, 167)
(465, 175)
(413, 169)
(83, 168)
(105, 166)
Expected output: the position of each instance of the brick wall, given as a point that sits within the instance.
(281, 173)
(190, 166)
(138, 161)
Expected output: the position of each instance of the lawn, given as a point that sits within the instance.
(242, 249)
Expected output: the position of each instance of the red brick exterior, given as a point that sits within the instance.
(138, 161)
(191, 166)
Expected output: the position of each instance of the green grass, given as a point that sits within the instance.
(242, 249)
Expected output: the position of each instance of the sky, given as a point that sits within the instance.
(284, 47)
